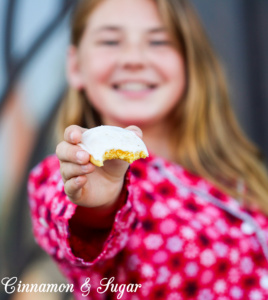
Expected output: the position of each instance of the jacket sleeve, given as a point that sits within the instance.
(52, 212)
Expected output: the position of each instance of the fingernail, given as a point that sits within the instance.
(77, 180)
(81, 155)
(72, 136)
(85, 168)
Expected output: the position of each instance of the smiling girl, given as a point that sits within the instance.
(190, 221)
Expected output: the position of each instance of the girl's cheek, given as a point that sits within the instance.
(102, 63)
(172, 65)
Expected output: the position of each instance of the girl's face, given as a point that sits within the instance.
(127, 64)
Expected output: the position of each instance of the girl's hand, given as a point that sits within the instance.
(84, 183)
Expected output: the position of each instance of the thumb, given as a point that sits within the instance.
(136, 130)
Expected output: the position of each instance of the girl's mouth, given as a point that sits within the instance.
(134, 89)
(134, 86)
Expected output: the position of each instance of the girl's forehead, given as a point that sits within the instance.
(125, 13)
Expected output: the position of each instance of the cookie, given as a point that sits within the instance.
(112, 142)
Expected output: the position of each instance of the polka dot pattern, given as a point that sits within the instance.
(174, 243)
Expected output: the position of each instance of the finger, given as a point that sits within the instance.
(116, 168)
(136, 130)
(70, 170)
(73, 187)
(70, 153)
(73, 134)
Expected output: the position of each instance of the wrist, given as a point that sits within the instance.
(102, 216)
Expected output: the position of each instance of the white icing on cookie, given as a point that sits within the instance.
(96, 141)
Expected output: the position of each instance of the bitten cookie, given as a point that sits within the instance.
(111, 142)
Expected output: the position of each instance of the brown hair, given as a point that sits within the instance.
(206, 137)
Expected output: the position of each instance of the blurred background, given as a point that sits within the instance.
(33, 42)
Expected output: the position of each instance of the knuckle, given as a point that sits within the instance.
(58, 149)
(68, 153)
(67, 190)
(66, 133)
(67, 130)
(71, 128)
(63, 173)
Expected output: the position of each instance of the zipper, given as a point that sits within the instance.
(240, 215)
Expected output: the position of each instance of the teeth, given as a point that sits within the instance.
(133, 86)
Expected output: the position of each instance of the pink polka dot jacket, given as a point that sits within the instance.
(174, 237)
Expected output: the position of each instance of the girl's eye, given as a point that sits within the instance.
(160, 43)
(109, 43)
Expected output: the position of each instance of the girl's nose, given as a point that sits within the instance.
(133, 57)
